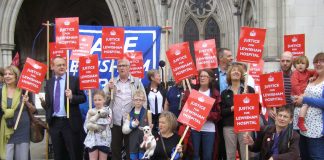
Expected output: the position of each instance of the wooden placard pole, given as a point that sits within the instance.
(166, 28)
(67, 83)
(189, 86)
(47, 24)
(246, 91)
(247, 149)
(246, 78)
(47, 49)
(90, 99)
(46, 141)
(149, 117)
(184, 85)
(186, 130)
(20, 111)
(47, 78)
(275, 110)
(112, 78)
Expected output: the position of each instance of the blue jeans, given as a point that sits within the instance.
(311, 148)
(206, 139)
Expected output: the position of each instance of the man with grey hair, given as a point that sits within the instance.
(225, 58)
(123, 87)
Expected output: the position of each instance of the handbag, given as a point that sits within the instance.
(10, 122)
(37, 128)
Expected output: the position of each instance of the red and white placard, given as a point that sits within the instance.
(89, 72)
(256, 69)
(85, 44)
(205, 52)
(67, 33)
(181, 62)
(246, 113)
(295, 44)
(112, 43)
(55, 52)
(32, 76)
(272, 89)
(136, 64)
(251, 44)
(196, 110)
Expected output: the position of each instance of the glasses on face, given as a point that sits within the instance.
(320, 61)
(122, 65)
(203, 76)
(137, 100)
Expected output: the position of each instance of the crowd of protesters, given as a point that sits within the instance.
(113, 128)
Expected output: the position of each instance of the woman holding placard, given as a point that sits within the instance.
(16, 141)
(235, 81)
(312, 140)
(207, 86)
(156, 94)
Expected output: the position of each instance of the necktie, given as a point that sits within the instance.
(156, 105)
(57, 95)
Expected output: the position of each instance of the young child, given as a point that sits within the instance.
(138, 118)
(97, 126)
(299, 81)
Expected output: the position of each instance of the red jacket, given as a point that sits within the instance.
(299, 81)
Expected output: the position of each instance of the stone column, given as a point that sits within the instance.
(272, 21)
(6, 54)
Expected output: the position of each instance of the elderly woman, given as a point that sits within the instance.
(312, 140)
(205, 139)
(168, 139)
(17, 142)
(235, 81)
(155, 96)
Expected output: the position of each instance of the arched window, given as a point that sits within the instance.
(248, 17)
(191, 34)
(212, 31)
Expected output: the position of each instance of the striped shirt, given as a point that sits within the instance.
(287, 85)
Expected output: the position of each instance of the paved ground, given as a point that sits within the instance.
(38, 151)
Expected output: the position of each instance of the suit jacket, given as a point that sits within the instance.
(288, 145)
(78, 97)
(216, 71)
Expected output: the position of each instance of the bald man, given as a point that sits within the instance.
(286, 61)
(285, 66)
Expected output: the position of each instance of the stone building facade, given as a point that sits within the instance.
(190, 20)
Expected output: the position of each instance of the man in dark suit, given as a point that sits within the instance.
(65, 132)
(225, 58)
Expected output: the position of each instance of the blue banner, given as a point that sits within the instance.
(145, 39)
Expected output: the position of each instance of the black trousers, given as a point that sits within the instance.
(118, 139)
(66, 143)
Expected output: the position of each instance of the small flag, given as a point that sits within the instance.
(15, 60)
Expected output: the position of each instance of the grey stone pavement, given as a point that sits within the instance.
(38, 151)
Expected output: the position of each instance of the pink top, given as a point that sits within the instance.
(299, 81)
